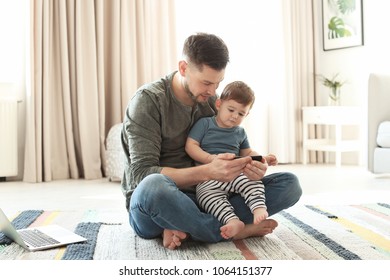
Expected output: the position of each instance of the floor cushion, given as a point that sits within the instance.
(115, 157)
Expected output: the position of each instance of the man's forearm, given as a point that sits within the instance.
(187, 177)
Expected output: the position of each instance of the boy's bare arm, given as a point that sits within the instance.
(248, 152)
(194, 150)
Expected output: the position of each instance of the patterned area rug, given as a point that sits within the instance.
(304, 233)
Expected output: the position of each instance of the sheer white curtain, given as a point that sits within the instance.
(285, 128)
(87, 59)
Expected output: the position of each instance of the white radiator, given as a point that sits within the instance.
(8, 137)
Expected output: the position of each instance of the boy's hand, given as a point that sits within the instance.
(271, 160)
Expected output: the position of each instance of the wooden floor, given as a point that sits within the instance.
(321, 184)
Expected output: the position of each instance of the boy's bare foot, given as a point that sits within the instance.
(173, 238)
(232, 227)
(265, 227)
(259, 214)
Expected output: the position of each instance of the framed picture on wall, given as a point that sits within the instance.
(342, 22)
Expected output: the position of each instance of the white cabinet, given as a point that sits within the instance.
(331, 116)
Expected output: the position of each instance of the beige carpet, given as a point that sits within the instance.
(304, 233)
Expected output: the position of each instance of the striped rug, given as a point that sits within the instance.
(328, 232)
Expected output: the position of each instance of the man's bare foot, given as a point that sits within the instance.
(232, 227)
(173, 238)
(259, 215)
(265, 227)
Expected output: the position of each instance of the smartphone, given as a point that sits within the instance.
(258, 158)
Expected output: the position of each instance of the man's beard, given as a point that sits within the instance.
(190, 94)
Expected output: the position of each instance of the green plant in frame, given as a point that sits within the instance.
(336, 25)
(337, 29)
(342, 23)
(346, 6)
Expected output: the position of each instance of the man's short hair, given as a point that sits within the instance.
(206, 49)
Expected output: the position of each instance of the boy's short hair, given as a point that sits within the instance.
(239, 92)
(206, 49)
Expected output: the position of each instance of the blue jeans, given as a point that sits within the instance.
(157, 204)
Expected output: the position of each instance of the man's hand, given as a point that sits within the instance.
(225, 168)
(255, 170)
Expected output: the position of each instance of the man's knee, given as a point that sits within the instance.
(294, 191)
(154, 187)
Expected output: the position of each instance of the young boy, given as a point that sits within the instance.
(222, 134)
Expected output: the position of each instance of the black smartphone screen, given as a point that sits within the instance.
(258, 158)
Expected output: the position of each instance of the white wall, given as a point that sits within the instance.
(377, 38)
(355, 64)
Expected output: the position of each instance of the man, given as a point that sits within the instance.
(160, 178)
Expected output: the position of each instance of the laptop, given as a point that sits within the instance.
(38, 238)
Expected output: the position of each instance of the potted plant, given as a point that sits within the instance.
(334, 85)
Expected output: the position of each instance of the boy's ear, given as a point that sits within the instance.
(218, 103)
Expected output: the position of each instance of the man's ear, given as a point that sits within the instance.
(183, 67)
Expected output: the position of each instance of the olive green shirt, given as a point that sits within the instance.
(155, 130)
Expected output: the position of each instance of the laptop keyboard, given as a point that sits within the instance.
(37, 238)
